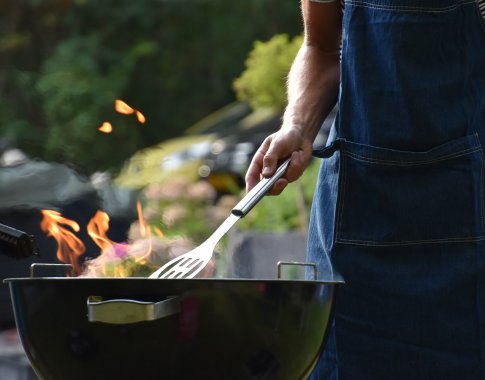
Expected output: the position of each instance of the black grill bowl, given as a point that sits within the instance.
(222, 329)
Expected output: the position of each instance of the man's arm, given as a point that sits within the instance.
(313, 84)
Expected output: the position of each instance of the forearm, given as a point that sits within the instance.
(313, 85)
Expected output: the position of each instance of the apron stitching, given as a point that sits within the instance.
(413, 163)
(346, 180)
(482, 213)
(480, 7)
(411, 242)
(343, 188)
(404, 8)
(340, 198)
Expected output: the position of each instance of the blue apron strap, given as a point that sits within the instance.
(328, 150)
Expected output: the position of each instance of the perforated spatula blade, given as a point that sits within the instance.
(191, 263)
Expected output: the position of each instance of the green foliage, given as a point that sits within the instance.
(263, 83)
(78, 95)
(65, 62)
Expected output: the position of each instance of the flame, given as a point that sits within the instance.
(141, 220)
(97, 228)
(106, 127)
(158, 232)
(144, 231)
(141, 118)
(69, 247)
(125, 109)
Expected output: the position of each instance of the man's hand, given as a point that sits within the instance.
(287, 142)
(313, 84)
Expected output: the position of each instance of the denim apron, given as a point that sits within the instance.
(399, 205)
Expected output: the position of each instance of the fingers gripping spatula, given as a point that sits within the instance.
(191, 263)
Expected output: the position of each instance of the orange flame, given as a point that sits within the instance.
(140, 117)
(144, 231)
(125, 109)
(158, 232)
(97, 228)
(69, 247)
(106, 127)
(141, 220)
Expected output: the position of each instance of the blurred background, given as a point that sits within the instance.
(64, 62)
(149, 111)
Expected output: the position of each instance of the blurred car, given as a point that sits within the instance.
(231, 154)
(180, 156)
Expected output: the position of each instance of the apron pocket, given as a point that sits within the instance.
(389, 197)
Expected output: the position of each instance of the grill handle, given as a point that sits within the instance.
(16, 243)
(280, 264)
(126, 311)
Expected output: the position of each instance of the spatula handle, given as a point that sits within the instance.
(258, 191)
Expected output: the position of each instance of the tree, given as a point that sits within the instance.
(66, 61)
(263, 83)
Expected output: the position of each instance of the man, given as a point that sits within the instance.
(399, 206)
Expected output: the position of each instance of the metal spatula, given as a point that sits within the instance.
(191, 263)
